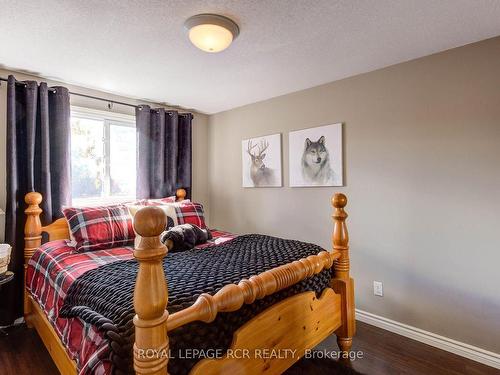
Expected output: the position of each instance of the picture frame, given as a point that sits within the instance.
(261, 161)
(316, 156)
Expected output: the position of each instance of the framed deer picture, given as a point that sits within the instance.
(262, 161)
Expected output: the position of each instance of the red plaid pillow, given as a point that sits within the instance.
(190, 213)
(96, 228)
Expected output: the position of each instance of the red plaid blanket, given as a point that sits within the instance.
(50, 273)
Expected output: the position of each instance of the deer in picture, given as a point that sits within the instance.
(259, 173)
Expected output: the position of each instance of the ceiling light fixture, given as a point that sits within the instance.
(211, 32)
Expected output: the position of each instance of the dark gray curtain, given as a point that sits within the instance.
(38, 159)
(163, 152)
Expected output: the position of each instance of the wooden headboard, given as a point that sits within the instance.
(58, 230)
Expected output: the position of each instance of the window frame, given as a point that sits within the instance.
(108, 119)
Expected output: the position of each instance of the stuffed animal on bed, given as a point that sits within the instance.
(184, 237)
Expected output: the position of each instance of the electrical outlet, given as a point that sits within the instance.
(378, 288)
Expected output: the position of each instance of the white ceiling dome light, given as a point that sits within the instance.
(211, 32)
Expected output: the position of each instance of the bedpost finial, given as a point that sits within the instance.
(339, 200)
(33, 198)
(181, 194)
(150, 221)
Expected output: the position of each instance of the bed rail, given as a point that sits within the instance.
(152, 320)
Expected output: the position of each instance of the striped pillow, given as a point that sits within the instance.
(97, 228)
(190, 213)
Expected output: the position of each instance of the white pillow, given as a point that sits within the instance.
(169, 210)
(160, 202)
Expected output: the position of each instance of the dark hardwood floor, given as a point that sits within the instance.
(384, 353)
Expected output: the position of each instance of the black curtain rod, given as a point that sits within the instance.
(92, 97)
(105, 100)
(83, 95)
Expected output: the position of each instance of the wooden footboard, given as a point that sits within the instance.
(304, 321)
(278, 337)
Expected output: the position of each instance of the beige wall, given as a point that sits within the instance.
(200, 132)
(422, 146)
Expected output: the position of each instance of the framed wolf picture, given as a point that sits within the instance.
(262, 161)
(315, 156)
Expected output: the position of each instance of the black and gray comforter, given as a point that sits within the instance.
(103, 296)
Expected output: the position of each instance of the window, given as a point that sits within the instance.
(103, 152)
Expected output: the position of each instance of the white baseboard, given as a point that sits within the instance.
(462, 349)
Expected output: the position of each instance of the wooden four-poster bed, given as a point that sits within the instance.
(299, 322)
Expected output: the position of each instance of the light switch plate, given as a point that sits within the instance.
(378, 288)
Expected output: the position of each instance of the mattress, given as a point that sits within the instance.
(49, 275)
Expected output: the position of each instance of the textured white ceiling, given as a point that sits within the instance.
(140, 49)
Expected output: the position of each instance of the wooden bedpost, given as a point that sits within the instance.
(180, 194)
(32, 238)
(342, 283)
(150, 295)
